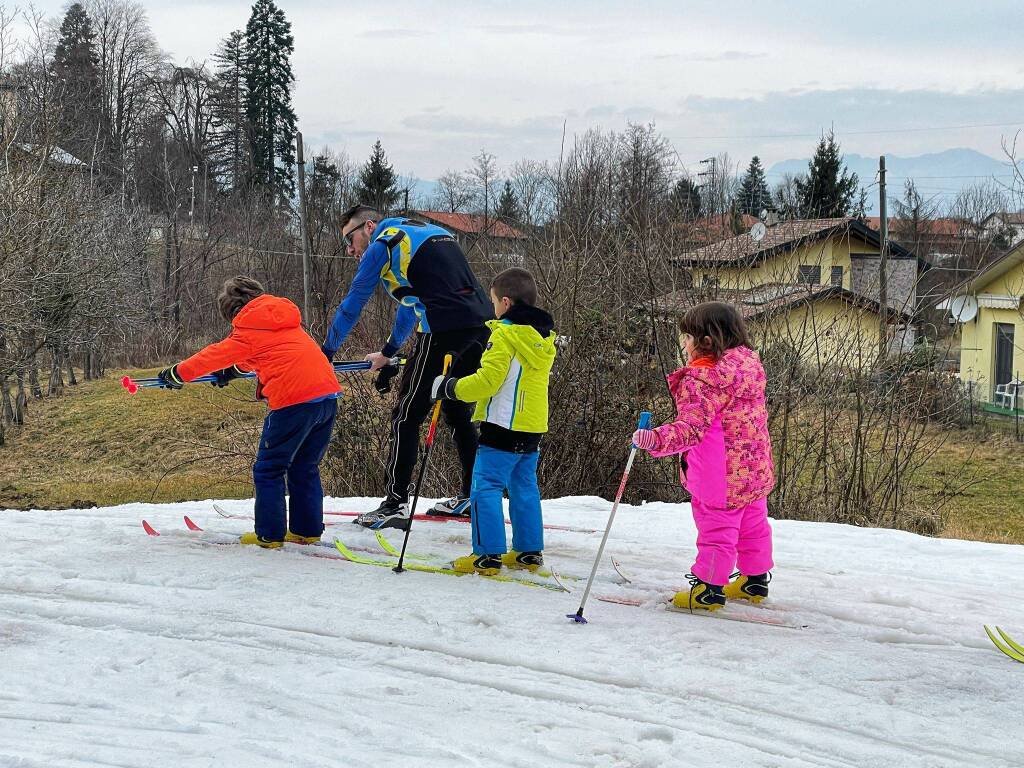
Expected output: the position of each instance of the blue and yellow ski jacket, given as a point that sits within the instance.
(422, 267)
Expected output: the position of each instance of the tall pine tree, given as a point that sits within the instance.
(754, 195)
(377, 185)
(829, 190)
(231, 136)
(508, 205)
(76, 77)
(268, 80)
(684, 200)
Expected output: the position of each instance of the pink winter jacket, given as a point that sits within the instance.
(722, 428)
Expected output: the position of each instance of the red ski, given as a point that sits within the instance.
(426, 518)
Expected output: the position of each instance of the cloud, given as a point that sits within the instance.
(394, 33)
(714, 58)
(533, 29)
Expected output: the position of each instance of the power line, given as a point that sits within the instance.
(818, 134)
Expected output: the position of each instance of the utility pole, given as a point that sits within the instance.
(303, 227)
(883, 265)
(192, 201)
(710, 161)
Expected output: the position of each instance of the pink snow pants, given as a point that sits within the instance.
(728, 538)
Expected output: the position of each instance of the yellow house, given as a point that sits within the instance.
(812, 285)
(989, 309)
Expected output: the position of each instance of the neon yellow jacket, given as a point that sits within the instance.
(511, 387)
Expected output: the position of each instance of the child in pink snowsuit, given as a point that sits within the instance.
(722, 431)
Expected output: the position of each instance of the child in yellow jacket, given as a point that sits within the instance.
(510, 390)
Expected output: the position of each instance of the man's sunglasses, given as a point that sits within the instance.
(346, 239)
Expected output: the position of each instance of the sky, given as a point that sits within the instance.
(439, 81)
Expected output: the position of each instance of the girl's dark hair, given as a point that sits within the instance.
(715, 327)
(236, 293)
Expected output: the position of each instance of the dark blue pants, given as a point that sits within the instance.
(293, 442)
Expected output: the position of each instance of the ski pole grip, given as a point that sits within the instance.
(447, 363)
(644, 421)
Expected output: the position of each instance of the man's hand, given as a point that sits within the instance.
(377, 360)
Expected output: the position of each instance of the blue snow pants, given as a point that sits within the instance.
(493, 472)
(293, 442)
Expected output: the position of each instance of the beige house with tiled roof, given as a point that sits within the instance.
(811, 284)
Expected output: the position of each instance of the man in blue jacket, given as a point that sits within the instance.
(422, 267)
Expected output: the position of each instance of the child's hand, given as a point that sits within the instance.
(443, 388)
(646, 439)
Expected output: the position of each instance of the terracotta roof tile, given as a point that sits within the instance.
(469, 223)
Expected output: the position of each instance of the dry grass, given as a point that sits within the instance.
(98, 445)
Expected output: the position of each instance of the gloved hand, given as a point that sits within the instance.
(646, 439)
(382, 381)
(443, 388)
(223, 377)
(170, 379)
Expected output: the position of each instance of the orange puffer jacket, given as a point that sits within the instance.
(267, 338)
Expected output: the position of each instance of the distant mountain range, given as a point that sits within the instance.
(940, 175)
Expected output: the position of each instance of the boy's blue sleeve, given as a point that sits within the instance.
(359, 292)
(405, 321)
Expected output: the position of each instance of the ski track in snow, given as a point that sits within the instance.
(119, 649)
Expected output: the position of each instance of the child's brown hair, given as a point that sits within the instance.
(516, 284)
(715, 327)
(236, 293)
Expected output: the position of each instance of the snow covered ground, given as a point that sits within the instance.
(118, 649)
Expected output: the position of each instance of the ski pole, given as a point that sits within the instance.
(133, 385)
(645, 420)
(423, 468)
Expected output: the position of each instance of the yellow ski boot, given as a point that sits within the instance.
(252, 538)
(526, 561)
(294, 538)
(488, 565)
(701, 596)
(752, 588)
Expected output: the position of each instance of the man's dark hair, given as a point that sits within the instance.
(517, 284)
(715, 327)
(236, 293)
(359, 213)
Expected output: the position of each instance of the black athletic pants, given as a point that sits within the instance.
(414, 404)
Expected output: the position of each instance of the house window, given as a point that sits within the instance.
(837, 277)
(809, 274)
(709, 283)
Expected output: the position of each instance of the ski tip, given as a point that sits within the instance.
(576, 617)
(149, 529)
(191, 525)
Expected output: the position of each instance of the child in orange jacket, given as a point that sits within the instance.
(300, 388)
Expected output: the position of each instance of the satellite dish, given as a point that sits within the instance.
(964, 308)
(757, 232)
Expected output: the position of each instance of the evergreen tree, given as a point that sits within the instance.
(268, 81)
(684, 200)
(754, 195)
(231, 141)
(829, 189)
(377, 185)
(76, 77)
(508, 205)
